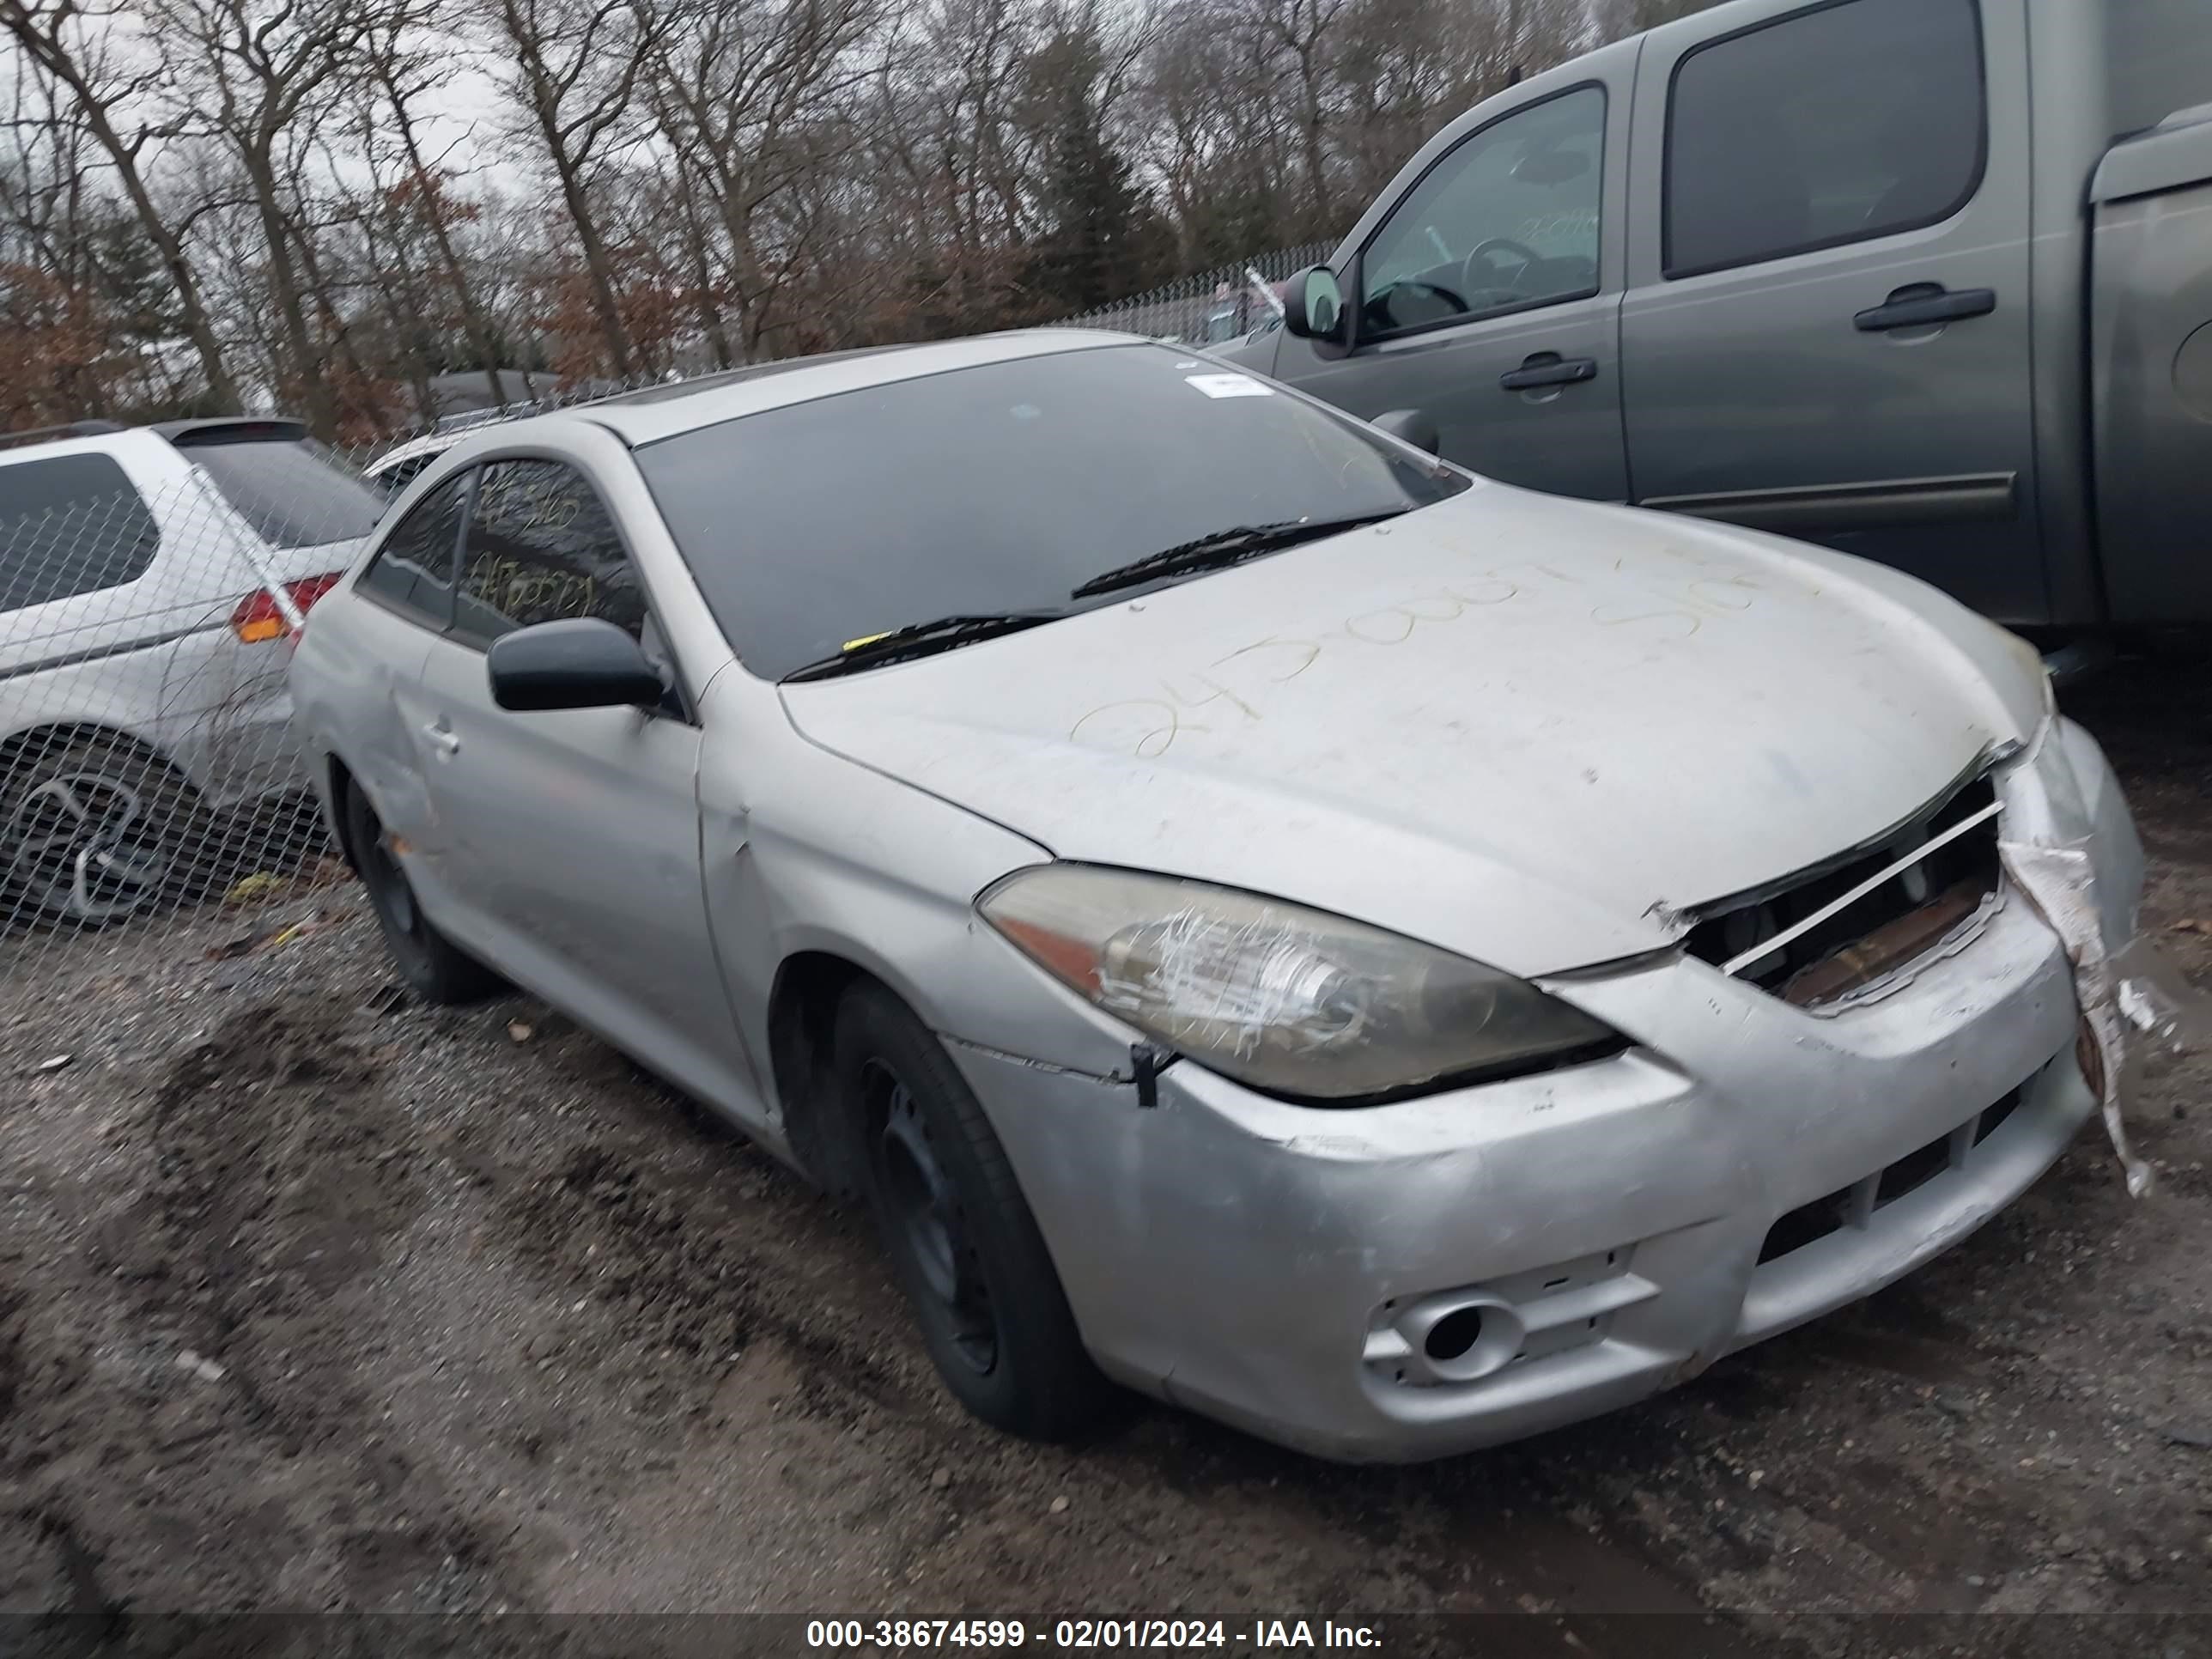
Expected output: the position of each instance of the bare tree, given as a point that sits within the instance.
(408, 53)
(574, 69)
(258, 77)
(723, 180)
(750, 99)
(1618, 17)
(76, 46)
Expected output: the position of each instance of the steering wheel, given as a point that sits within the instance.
(1472, 275)
(1378, 308)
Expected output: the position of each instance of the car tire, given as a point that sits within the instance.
(433, 967)
(963, 1246)
(96, 830)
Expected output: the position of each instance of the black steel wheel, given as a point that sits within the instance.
(434, 967)
(925, 1213)
(963, 1243)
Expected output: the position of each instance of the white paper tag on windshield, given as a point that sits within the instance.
(1229, 385)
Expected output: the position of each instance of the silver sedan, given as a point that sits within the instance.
(1263, 917)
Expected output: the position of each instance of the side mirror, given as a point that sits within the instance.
(582, 662)
(1416, 427)
(1313, 306)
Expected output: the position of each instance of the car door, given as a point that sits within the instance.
(405, 598)
(569, 839)
(1487, 284)
(1826, 329)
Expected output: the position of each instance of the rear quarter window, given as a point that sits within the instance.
(70, 525)
(413, 571)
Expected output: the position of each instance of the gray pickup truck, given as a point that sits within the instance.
(1928, 281)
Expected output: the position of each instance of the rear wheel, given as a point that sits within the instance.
(433, 967)
(962, 1240)
(94, 831)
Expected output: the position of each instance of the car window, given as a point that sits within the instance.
(1001, 487)
(1857, 120)
(294, 492)
(398, 476)
(413, 571)
(541, 546)
(70, 525)
(1508, 219)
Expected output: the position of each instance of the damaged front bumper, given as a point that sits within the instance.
(1435, 1275)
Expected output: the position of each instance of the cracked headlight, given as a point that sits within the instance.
(1292, 1001)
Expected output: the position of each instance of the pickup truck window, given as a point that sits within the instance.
(1505, 221)
(1835, 125)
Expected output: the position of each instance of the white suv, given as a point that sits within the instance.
(151, 581)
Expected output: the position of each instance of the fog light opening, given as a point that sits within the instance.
(1451, 1337)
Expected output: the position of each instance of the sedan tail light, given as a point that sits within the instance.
(259, 617)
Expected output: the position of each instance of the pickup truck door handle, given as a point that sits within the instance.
(442, 737)
(1921, 305)
(1548, 368)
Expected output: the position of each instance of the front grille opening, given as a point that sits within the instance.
(1912, 1171)
(1881, 930)
(1808, 1223)
(1997, 1114)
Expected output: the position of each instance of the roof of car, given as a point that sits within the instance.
(643, 417)
(49, 434)
(426, 443)
(205, 429)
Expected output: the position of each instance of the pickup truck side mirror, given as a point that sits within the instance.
(1416, 427)
(1312, 306)
(580, 662)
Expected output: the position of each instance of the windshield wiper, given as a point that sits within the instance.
(920, 640)
(1223, 548)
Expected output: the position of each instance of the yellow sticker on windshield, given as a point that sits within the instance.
(865, 639)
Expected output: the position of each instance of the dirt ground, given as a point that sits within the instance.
(314, 1298)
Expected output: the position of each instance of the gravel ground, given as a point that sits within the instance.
(311, 1297)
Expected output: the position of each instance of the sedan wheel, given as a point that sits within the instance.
(962, 1240)
(434, 967)
(931, 1227)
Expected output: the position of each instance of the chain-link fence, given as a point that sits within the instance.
(1213, 307)
(153, 581)
(151, 584)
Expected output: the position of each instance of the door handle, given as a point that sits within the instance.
(442, 739)
(1920, 305)
(1548, 368)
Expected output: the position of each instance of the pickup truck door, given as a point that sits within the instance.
(1485, 287)
(1825, 333)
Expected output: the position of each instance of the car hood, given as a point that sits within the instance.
(1531, 730)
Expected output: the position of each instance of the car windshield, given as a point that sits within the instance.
(294, 493)
(997, 489)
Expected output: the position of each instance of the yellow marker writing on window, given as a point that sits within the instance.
(865, 639)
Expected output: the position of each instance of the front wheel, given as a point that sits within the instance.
(963, 1245)
(435, 968)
